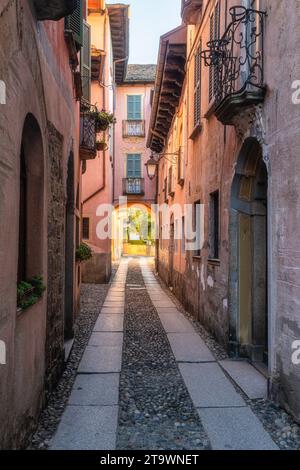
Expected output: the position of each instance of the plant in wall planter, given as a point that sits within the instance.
(83, 253)
(29, 292)
(104, 120)
(101, 145)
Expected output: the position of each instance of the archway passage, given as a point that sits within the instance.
(133, 231)
(248, 265)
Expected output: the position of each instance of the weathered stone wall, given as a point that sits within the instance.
(38, 83)
(56, 259)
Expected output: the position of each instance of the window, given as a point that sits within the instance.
(214, 34)
(196, 226)
(74, 23)
(134, 107)
(170, 182)
(197, 87)
(86, 228)
(86, 62)
(183, 235)
(214, 225)
(134, 165)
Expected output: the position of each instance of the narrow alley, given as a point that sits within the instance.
(147, 380)
(149, 228)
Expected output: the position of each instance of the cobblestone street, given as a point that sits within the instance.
(148, 380)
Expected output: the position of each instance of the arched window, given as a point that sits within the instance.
(31, 201)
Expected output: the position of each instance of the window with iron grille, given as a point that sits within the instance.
(214, 34)
(74, 23)
(86, 62)
(197, 87)
(86, 228)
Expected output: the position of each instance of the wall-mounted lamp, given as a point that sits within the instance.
(152, 163)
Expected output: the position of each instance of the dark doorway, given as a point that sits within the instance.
(248, 265)
(70, 251)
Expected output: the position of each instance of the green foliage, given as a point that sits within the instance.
(29, 292)
(83, 252)
(104, 120)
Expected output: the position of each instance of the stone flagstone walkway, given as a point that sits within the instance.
(96, 412)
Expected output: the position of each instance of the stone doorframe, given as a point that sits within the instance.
(248, 254)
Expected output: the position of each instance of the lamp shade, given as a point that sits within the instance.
(151, 166)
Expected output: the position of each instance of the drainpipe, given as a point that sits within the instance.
(117, 61)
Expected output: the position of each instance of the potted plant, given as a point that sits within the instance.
(101, 145)
(104, 120)
(29, 292)
(83, 253)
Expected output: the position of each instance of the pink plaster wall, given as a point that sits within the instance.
(132, 144)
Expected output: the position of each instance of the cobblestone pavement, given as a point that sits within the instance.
(156, 411)
(143, 374)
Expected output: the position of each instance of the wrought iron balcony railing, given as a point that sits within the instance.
(237, 62)
(88, 132)
(191, 11)
(133, 186)
(134, 128)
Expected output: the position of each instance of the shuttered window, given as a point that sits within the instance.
(86, 62)
(197, 88)
(134, 107)
(134, 165)
(74, 23)
(214, 34)
(85, 228)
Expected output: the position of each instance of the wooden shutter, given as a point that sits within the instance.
(86, 62)
(74, 23)
(197, 89)
(133, 165)
(134, 107)
(214, 34)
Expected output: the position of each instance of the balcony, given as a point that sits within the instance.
(54, 9)
(133, 186)
(87, 149)
(133, 129)
(237, 62)
(191, 11)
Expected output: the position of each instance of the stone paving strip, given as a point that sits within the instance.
(90, 419)
(228, 421)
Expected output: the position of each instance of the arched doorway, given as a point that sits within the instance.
(248, 261)
(133, 231)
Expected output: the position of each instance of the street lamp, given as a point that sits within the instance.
(152, 163)
(151, 166)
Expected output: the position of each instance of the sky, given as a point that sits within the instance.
(149, 19)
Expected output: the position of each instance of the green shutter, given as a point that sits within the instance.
(86, 62)
(134, 107)
(74, 23)
(133, 165)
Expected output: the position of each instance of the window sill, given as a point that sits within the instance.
(21, 311)
(214, 261)
(211, 109)
(197, 130)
